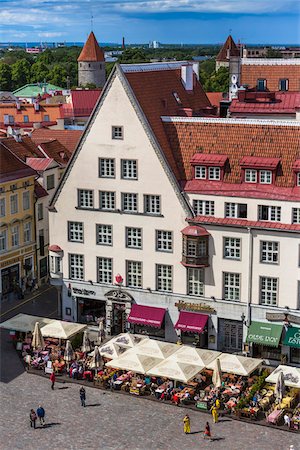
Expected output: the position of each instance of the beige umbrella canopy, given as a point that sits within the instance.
(24, 322)
(62, 330)
(291, 376)
(157, 349)
(37, 338)
(111, 350)
(69, 352)
(217, 375)
(197, 356)
(169, 368)
(238, 365)
(128, 340)
(96, 361)
(85, 342)
(134, 362)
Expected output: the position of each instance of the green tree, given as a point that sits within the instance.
(58, 75)
(133, 55)
(39, 72)
(20, 73)
(46, 57)
(5, 77)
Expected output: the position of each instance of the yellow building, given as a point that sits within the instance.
(17, 225)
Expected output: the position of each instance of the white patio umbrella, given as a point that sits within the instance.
(217, 375)
(37, 338)
(100, 331)
(69, 352)
(85, 342)
(97, 359)
(280, 387)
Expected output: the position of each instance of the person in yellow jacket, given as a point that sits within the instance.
(214, 413)
(186, 424)
(218, 404)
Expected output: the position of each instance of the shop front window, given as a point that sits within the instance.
(90, 311)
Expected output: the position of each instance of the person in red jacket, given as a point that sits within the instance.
(52, 379)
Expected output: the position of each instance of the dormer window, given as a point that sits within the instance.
(265, 176)
(256, 169)
(250, 176)
(208, 166)
(298, 179)
(214, 173)
(200, 172)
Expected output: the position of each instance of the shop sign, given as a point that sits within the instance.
(278, 317)
(294, 340)
(85, 292)
(10, 262)
(258, 338)
(118, 294)
(184, 306)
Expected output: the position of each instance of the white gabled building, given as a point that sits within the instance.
(168, 222)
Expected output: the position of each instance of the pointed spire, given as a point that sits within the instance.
(228, 49)
(91, 50)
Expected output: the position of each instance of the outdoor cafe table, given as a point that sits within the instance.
(274, 416)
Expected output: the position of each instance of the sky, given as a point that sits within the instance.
(141, 21)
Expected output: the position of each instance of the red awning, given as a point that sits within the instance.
(146, 315)
(193, 322)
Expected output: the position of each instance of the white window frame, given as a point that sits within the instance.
(76, 266)
(204, 207)
(3, 240)
(214, 173)
(15, 235)
(75, 232)
(164, 278)
(129, 169)
(233, 210)
(134, 237)
(265, 176)
(129, 202)
(200, 172)
(107, 200)
(104, 270)
(2, 207)
(195, 281)
(134, 274)
(268, 291)
(106, 168)
(298, 178)
(55, 264)
(117, 132)
(232, 248)
(50, 186)
(104, 234)
(232, 286)
(164, 241)
(85, 198)
(26, 200)
(264, 81)
(27, 232)
(152, 204)
(273, 213)
(250, 176)
(286, 82)
(295, 215)
(14, 207)
(269, 252)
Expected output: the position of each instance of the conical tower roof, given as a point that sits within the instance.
(228, 49)
(91, 50)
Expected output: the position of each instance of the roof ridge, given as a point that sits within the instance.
(232, 121)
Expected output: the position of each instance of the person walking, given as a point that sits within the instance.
(52, 379)
(186, 424)
(32, 417)
(41, 414)
(82, 396)
(215, 415)
(207, 433)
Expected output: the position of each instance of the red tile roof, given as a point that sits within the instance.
(209, 159)
(91, 50)
(39, 190)
(83, 103)
(229, 49)
(39, 164)
(54, 149)
(250, 73)
(154, 90)
(253, 162)
(68, 138)
(215, 98)
(11, 168)
(245, 223)
(24, 149)
(283, 103)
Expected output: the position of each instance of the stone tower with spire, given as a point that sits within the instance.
(91, 64)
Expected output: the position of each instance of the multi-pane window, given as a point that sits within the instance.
(103, 234)
(15, 236)
(133, 237)
(27, 232)
(134, 274)
(85, 198)
(298, 179)
(269, 252)
(75, 231)
(214, 173)
(270, 213)
(232, 286)
(232, 248)
(200, 172)
(204, 207)
(2, 207)
(50, 182)
(283, 84)
(261, 84)
(117, 132)
(265, 176)
(3, 240)
(129, 202)
(107, 200)
(191, 248)
(76, 267)
(55, 264)
(164, 278)
(104, 266)
(236, 210)
(195, 281)
(250, 176)
(268, 291)
(106, 167)
(14, 204)
(129, 169)
(296, 215)
(152, 204)
(164, 241)
(26, 200)
(40, 211)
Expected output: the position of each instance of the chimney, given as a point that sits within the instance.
(187, 77)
